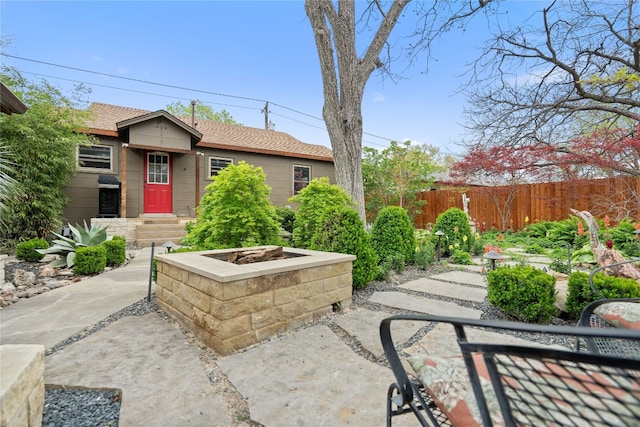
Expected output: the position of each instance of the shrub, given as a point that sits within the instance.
(461, 257)
(286, 217)
(559, 261)
(82, 237)
(393, 234)
(236, 211)
(425, 255)
(454, 223)
(534, 248)
(524, 292)
(340, 229)
(580, 293)
(115, 250)
(314, 199)
(90, 260)
(26, 251)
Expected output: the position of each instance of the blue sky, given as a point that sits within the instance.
(255, 51)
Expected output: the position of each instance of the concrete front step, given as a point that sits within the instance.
(159, 233)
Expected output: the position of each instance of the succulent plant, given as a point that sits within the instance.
(66, 247)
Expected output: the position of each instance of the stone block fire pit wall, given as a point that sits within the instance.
(232, 306)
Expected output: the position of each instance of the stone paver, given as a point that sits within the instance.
(159, 373)
(462, 277)
(425, 305)
(474, 268)
(364, 325)
(309, 379)
(446, 289)
(441, 341)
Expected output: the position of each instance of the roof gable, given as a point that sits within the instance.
(109, 119)
(125, 124)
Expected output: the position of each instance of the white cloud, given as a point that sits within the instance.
(378, 97)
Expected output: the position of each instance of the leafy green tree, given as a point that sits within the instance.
(316, 197)
(236, 211)
(43, 144)
(397, 174)
(8, 185)
(203, 112)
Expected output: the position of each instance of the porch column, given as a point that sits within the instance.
(197, 157)
(123, 178)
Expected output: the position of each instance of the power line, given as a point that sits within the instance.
(262, 101)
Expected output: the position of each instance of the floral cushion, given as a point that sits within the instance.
(620, 314)
(566, 393)
(447, 381)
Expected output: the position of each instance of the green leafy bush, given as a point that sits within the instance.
(454, 223)
(314, 199)
(534, 248)
(341, 230)
(524, 292)
(461, 257)
(559, 261)
(425, 255)
(66, 248)
(115, 250)
(236, 211)
(26, 251)
(580, 293)
(392, 233)
(90, 260)
(286, 217)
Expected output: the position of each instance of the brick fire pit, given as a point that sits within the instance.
(232, 306)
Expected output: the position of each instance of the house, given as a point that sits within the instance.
(146, 171)
(9, 102)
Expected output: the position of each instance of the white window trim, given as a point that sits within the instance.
(89, 169)
(161, 153)
(227, 159)
(293, 176)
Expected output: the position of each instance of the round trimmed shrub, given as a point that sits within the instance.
(454, 223)
(236, 211)
(340, 229)
(26, 251)
(314, 199)
(115, 250)
(461, 257)
(526, 293)
(90, 260)
(393, 233)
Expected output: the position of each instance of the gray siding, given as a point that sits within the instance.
(160, 133)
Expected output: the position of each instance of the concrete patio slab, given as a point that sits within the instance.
(446, 289)
(309, 379)
(462, 277)
(364, 325)
(144, 356)
(410, 302)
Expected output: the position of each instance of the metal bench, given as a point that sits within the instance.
(499, 384)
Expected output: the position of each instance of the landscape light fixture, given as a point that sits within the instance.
(493, 256)
(439, 233)
(169, 245)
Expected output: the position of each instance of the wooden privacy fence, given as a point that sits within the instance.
(616, 197)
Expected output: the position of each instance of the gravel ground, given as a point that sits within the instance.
(100, 408)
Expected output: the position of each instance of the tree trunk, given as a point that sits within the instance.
(344, 76)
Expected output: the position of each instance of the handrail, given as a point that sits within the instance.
(597, 269)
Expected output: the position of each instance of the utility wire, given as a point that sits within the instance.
(179, 88)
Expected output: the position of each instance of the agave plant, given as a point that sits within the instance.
(66, 247)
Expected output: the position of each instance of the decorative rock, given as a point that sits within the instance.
(7, 287)
(46, 271)
(23, 278)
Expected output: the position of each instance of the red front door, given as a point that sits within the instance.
(157, 182)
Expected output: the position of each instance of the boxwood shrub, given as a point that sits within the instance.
(26, 251)
(115, 250)
(580, 293)
(90, 260)
(340, 229)
(393, 233)
(523, 292)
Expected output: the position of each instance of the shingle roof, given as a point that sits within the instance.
(216, 135)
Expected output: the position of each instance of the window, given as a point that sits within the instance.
(95, 157)
(158, 168)
(216, 164)
(301, 176)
